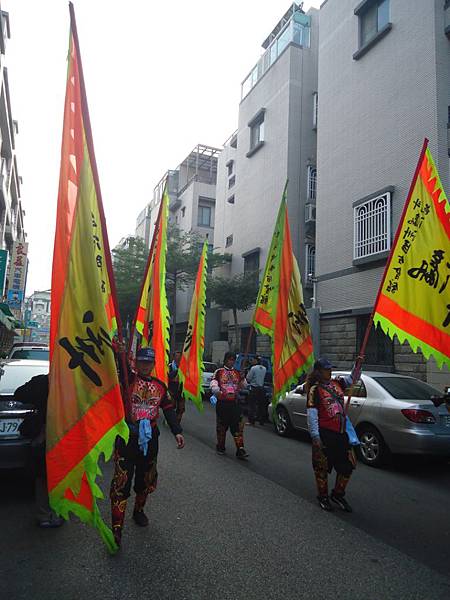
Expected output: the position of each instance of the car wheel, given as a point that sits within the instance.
(283, 425)
(373, 450)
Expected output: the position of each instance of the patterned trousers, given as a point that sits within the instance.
(336, 454)
(130, 462)
(228, 416)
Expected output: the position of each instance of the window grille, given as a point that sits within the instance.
(310, 263)
(312, 183)
(372, 226)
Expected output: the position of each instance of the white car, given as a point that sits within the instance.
(391, 413)
(29, 351)
(209, 370)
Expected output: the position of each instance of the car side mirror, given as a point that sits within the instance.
(300, 389)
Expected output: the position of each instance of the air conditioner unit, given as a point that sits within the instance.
(310, 213)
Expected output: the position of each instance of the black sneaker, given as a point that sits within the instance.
(140, 518)
(220, 451)
(241, 453)
(324, 503)
(341, 502)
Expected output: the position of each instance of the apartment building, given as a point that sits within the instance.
(192, 208)
(384, 85)
(275, 141)
(13, 247)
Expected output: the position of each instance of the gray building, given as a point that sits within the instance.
(192, 206)
(143, 224)
(275, 140)
(11, 212)
(384, 85)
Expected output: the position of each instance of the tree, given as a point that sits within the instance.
(129, 262)
(234, 293)
(183, 255)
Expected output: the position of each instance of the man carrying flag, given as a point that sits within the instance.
(139, 456)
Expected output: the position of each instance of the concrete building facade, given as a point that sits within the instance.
(384, 85)
(275, 141)
(192, 208)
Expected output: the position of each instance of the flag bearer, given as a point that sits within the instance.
(225, 386)
(327, 427)
(138, 458)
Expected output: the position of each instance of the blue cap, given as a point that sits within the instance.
(146, 354)
(323, 363)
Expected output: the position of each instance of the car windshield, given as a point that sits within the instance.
(31, 354)
(209, 367)
(13, 376)
(407, 388)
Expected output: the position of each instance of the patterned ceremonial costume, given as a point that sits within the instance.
(328, 400)
(226, 384)
(147, 396)
(176, 391)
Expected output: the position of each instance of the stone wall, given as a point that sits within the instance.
(338, 341)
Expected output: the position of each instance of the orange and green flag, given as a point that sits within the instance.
(190, 370)
(280, 312)
(85, 409)
(414, 298)
(152, 317)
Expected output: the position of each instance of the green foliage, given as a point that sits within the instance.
(129, 262)
(234, 293)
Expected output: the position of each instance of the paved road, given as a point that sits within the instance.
(223, 529)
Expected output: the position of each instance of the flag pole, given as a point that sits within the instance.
(107, 251)
(147, 267)
(361, 353)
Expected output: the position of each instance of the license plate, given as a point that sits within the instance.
(446, 420)
(10, 427)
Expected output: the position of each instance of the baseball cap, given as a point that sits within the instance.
(323, 363)
(146, 354)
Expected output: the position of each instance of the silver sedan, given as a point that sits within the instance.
(391, 413)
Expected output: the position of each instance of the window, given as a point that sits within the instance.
(183, 211)
(315, 109)
(312, 182)
(251, 262)
(310, 256)
(229, 241)
(373, 18)
(230, 200)
(204, 216)
(231, 181)
(372, 226)
(230, 167)
(256, 132)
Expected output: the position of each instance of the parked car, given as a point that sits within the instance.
(29, 351)
(243, 364)
(391, 413)
(209, 370)
(14, 447)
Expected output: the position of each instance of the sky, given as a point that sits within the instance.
(161, 77)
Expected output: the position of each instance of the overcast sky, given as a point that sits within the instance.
(160, 78)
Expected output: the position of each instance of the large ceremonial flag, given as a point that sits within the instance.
(152, 317)
(413, 301)
(85, 409)
(280, 311)
(190, 370)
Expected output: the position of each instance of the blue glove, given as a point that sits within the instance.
(213, 400)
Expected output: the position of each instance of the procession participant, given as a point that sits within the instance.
(327, 427)
(175, 386)
(138, 457)
(225, 386)
(257, 404)
(35, 392)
